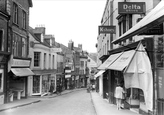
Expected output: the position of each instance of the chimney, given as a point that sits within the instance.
(71, 45)
(40, 29)
(80, 46)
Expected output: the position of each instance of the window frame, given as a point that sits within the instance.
(15, 13)
(37, 61)
(24, 19)
(2, 41)
(2, 80)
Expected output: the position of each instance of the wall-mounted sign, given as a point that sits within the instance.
(157, 30)
(20, 63)
(107, 29)
(56, 50)
(131, 7)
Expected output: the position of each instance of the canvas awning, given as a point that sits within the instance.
(22, 71)
(122, 61)
(109, 61)
(153, 18)
(99, 73)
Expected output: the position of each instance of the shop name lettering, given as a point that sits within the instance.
(123, 59)
(132, 7)
(20, 63)
(102, 29)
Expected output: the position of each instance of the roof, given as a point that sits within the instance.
(36, 38)
(93, 56)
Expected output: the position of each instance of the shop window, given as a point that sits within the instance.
(36, 59)
(159, 46)
(36, 84)
(1, 83)
(82, 64)
(45, 84)
(1, 41)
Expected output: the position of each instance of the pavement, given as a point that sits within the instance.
(102, 106)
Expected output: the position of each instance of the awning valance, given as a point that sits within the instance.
(153, 18)
(22, 71)
(99, 73)
(109, 61)
(122, 61)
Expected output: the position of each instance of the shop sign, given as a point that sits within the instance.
(157, 30)
(20, 63)
(67, 71)
(67, 76)
(56, 50)
(107, 29)
(131, 7)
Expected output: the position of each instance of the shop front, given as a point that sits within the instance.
(147, 26)
(106, 75)
(4, 52)
(18, 79)
(3, 74)
(42, 81)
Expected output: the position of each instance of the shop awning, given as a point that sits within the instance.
(122, 61)
(99, 73)
(109, 61)
(22, 71)
(153, 18)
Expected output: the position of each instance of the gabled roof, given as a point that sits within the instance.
(93, 56)
(37, 39)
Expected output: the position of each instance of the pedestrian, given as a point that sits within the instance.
(93, 87)
(51, 88)
(119, 91)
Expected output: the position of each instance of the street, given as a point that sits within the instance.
(76, 103)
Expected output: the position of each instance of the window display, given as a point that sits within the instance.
(45, 84)
(36, 84)
(159, 46)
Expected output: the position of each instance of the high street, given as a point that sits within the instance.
(75, 103)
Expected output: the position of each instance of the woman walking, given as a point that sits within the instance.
(119, 96)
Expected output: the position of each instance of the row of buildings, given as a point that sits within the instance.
(31, 61)
(130, 47)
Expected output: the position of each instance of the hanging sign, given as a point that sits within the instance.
(131, 7)
(107, 29)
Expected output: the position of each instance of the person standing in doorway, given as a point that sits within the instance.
(119, 95)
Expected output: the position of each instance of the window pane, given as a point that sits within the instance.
(36, 59)
(1, 41)
(24, 47)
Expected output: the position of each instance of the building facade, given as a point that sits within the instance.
(5, 49)
(43, 64)
(19, 62)
(114, 47)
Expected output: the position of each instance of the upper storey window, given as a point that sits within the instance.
(24, 19)
(15, 13)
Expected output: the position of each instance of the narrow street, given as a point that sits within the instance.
(76, 103)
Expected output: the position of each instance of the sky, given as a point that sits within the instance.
(75, 20)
